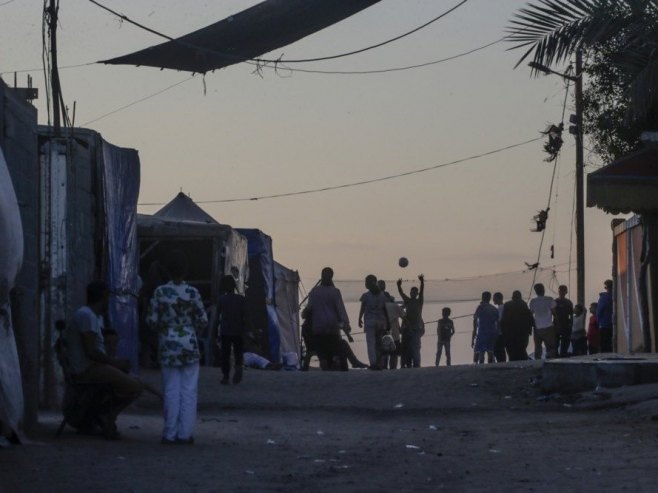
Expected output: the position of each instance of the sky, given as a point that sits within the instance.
(235, 133)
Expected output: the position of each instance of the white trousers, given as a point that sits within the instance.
(179, 386)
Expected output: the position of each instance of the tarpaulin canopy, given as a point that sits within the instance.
(628, 184)
(260, 29)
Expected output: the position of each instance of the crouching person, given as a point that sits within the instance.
(89, 361)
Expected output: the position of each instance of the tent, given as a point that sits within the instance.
(286, 301)
(260, 292)
(212, 250)
(629, 184)
(272, 301)
(88, 209)
(262, 28)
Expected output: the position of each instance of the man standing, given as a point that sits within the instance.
(373, 310)
(415, 327)
(328, 316)
(88, 359)
(563, 314)
(485, 330)
(604, 317)
(516, 326)
(394, 313)
(542, 309)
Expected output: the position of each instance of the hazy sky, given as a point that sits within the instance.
(250, 135)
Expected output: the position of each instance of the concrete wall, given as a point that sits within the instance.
(18, 138)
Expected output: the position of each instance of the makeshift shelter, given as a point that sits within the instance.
(260, 292)
(212, 250)
(260, 29)
(88, 231)
(286, 301)
(11, 257)
(631, 184)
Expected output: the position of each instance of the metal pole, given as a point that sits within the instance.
(580, 204)
(54, 74)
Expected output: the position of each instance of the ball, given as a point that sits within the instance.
(403, 262)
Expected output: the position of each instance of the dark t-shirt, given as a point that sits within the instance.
(564, 313)
(231, 309)
(445, 329)
(414, 312)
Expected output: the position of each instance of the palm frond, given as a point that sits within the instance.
(552, 30)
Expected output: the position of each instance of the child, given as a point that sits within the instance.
(445, 329)
(578, 333)
(593, 337)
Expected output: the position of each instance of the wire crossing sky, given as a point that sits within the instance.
(448, 89)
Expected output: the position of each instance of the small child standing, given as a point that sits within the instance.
(593, 337)
(578, 333)
(445, 329)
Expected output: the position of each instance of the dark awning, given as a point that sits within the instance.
(260, 29)
(628, 184)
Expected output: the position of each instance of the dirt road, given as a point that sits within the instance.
(462, 428)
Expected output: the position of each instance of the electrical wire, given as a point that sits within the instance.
(137, 101)
(358, 183)
(45, 58)
(7, 3)
(311, 71)
(27, 70)
(550, 191)
(393, 69)
(260, 61)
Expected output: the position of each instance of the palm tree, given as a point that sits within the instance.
(552, 31)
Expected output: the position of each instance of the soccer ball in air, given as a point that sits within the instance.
(403, 262)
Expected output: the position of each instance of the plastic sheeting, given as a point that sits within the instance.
(261, 278)
(236, 261)
(120, 193)
(248, 34)
(286, 297)
(628, 309)
(11, 258)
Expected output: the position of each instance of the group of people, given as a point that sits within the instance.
(502, 331)
(393, 331)
(177, 314)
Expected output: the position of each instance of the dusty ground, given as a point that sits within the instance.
(456, 429)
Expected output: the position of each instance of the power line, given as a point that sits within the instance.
(7, 3)
(464, 278)
(260, 61)
(394, 69)
(550, 191)
(27, 70)
(359, 183)
(311, 71)
(137, 101)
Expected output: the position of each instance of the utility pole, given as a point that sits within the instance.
(580, 184)
(54, 72)
(576, 129)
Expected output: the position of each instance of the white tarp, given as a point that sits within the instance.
(11, 258)
(286, 296)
